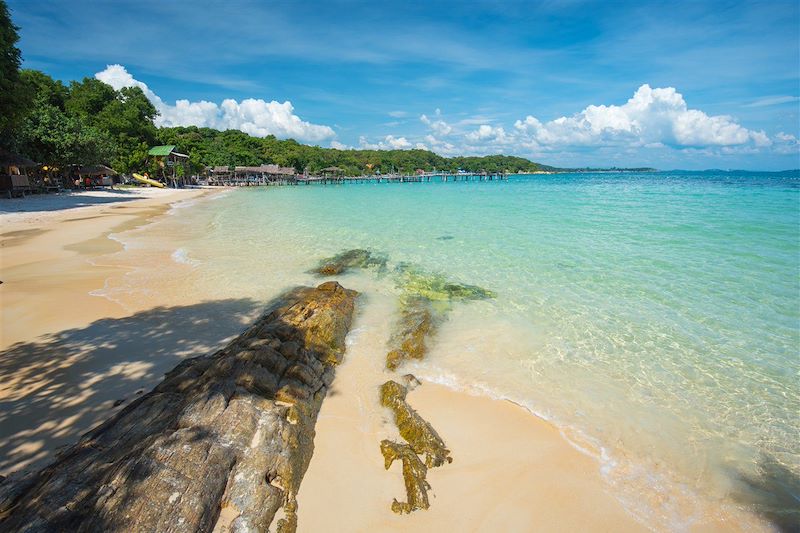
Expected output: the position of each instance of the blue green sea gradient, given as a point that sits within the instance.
(655, 315)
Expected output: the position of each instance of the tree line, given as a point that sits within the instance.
(88, 122)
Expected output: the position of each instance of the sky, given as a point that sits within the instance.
(691, 85)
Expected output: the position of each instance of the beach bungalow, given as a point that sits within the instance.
(13, 173)
(96, 176)
(332, 172)
(168, 160)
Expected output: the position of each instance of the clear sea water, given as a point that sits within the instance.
(654, 317)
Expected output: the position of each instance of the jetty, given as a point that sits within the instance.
(273, 175)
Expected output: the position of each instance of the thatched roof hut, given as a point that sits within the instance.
(10, 159)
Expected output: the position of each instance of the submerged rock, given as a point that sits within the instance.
(435, 287)
(223, 442)
(414, 473)
(417, 322)
(349, 259)
(419, 434)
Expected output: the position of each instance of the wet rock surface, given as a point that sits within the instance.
(223, 442)
(419, 434)
(421, 440)
(414, 473)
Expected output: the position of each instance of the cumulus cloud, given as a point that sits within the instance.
(437, 125)
(253, 116)
(390, 142)
(650, 117)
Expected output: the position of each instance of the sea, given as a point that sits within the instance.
(654, 318)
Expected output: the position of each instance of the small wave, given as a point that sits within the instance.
(665, 510)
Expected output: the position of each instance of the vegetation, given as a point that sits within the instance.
(12, 94)
(209, 147)
(88, 122)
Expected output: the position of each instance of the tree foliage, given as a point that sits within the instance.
(209, 147)
(14, 99)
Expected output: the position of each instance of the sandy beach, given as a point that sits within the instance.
(69, 359)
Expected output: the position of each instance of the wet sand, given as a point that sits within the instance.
(69, 359)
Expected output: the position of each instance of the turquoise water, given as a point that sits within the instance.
(655, 318)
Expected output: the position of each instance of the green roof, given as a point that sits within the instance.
(162, 150)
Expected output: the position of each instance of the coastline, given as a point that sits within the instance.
(511, 468)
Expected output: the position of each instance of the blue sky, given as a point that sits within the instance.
(570, 83)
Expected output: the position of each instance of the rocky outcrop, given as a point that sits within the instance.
(421, 439)
(223, 442)
(425, 301)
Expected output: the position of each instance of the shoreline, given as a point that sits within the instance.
(47, 253)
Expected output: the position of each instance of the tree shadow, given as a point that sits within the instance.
(774, 492)
(54, 389)
(64, 200)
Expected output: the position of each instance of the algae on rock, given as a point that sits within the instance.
(349, 259)
(414, 473)
(417, 322)
(419, 434)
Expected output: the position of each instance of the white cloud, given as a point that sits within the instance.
(253, 116)
(390, 142)
(773, 100)
(340, 146)
(650, 116)
(786, 143)
(438, 126)
(397, 114)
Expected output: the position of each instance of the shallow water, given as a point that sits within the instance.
(655, 318)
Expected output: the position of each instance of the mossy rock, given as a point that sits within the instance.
(435, 287)
(419, 434)
(350, 259)
(414, 474)
(418, 321)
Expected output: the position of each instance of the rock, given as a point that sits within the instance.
(417, 322)
(414, 473)
(411, 382)
(414, 281)
(349, 259)
(223, 441)
(419, 434)
(117, 403)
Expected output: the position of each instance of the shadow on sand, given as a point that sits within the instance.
(56, 388)
(64, 200)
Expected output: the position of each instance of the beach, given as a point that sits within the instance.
(84, 333)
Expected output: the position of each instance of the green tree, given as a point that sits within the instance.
(51, 136)
(14, 98)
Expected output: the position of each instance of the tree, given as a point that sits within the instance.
(14, 99)
(88, 98)
(51, 136)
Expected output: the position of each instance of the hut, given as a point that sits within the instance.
(332, 172)
(13, 173)
(96, 176)
(167, 157)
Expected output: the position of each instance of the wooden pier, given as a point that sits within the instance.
(242, 179)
